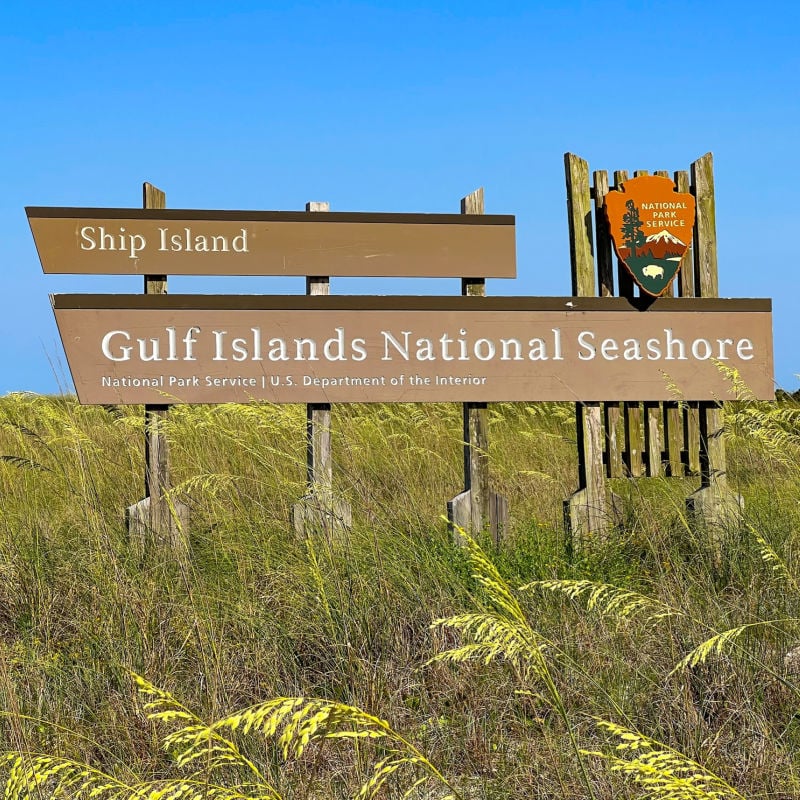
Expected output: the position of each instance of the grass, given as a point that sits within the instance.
(256, 614)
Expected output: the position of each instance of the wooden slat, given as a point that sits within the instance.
(605, 263)
(589, 416)
(579, 212)
(686, 289)
(652, 439)
(674, 438)
(705, 235)
(605, 278)
(686, 282)
(634, 439)
(624, 279)
(631, 412)
(615, 437)
(672, 419)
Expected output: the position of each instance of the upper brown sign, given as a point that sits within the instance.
(206, 349)
(651, 225)
(178, 242)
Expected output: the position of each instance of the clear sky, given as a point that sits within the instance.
(393, 106)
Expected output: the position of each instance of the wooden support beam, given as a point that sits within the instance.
(587, 512)
(318, 511)
(157, 522)
(477, 507)
(713, 502)
(687, 287)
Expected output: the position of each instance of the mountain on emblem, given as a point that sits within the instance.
(651, 225)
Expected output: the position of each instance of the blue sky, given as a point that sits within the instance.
(380, 106)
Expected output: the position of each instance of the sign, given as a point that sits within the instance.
(173, 242)
(651, 225)
(215, 349)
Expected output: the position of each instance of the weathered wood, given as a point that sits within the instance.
(634, 439)
(157, 520)
(477, 507)
(587, 511)
(674, 439)
(625, 282)
(579, 212)
(318, 511)
(605, 261)
(713, 501)
(615, 437)
(631, 412)
(686, 282)
(605, 279)
(705, 235)
(690, 416)
(652, 442)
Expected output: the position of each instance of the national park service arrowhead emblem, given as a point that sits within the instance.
(651, 225)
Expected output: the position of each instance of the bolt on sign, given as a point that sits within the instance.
(215, 349)
(651, 224)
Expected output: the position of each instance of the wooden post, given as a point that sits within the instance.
(318, 511)
(587, 511)
(477, 507)
(157, 519)
(713, 502)
(605, 274)
(687, 287)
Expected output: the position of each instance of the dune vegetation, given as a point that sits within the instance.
(387, 661)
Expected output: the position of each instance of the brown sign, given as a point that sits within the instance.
(205, 349)
(174, 242)
(651, 225)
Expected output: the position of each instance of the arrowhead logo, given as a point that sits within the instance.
(651, 225)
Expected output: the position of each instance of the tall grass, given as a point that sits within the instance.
(257, 614)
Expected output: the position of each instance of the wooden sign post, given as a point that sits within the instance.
(477, 507)
(673, 438)
(157, 519)
(608, 354)
(317, 245)
(319, 511)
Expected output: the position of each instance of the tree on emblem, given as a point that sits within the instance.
(633, 237)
